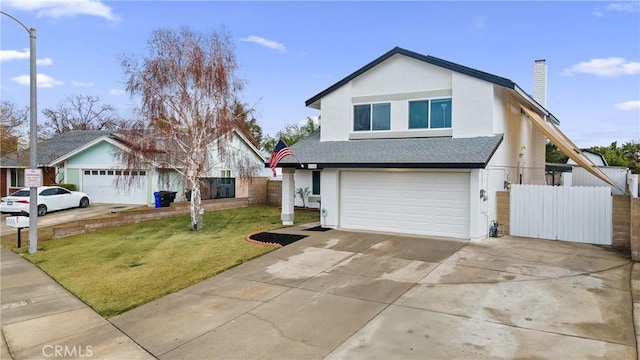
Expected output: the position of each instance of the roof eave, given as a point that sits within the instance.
(313, 102)
(535, 104)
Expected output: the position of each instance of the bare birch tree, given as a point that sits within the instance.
(187, 87)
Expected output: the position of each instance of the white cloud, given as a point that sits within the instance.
(6, 55)
(628, 105)
(630, 7)
(44, 81)
(479, 22)
(612, 66)
(44, 62)
(117, 92)
(265, 42)
(61, 8)
(81, 84)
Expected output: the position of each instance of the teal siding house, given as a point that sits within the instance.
(87, 159)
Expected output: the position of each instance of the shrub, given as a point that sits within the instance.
(303, 193)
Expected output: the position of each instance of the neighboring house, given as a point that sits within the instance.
(598, 159)
(578, 176)
(415, 144)
(86, 158)
(560, 174)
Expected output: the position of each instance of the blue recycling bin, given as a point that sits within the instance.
(156, 196)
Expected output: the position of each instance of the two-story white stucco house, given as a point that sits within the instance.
(415, 144)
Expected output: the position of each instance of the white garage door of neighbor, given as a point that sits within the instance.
(424, 203)
(101, 187)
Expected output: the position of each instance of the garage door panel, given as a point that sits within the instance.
(102, 187)
(427, 203)
(384, 209)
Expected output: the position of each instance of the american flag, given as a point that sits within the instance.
(279, 152)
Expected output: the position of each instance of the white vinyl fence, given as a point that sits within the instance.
(570, 213)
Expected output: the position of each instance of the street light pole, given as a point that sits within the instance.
(33, 136)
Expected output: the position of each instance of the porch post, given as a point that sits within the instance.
(288, 196)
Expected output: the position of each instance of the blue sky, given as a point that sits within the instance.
(290, 51)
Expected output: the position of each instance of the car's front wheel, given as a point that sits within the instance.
(84, 202)
(42, 210)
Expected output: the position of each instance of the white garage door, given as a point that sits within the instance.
(101, 187)
(425, 203)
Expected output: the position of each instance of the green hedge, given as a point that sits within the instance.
(70, 187)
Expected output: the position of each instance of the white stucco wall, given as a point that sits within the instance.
(472, 107)
(330, 185)
(303, 178)
(400, 79)
(336, 115)
(515, 155)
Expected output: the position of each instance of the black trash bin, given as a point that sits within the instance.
(166, 198)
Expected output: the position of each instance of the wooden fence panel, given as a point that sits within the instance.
(568, 213)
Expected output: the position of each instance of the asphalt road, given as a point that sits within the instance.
(63, 216)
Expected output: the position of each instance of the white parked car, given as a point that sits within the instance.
(50, 198)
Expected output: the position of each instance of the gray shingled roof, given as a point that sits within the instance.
(51, 149)
(440, 152)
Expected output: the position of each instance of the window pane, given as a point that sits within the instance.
(440, 113)
(382, 116)
(315, 183)
(17, 177)
(419, 114)
(361, 118)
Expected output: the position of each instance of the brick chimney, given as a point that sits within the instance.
(540, 82)
(539, 140)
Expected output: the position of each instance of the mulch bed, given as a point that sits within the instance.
(274, 239)
(318, 228)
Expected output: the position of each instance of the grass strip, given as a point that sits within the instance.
(118, 269)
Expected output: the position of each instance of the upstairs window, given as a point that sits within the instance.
(430, 114)
(372, 117)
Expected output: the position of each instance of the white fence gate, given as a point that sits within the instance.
(570, 213)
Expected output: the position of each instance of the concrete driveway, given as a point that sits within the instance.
(347, 295)
(64, 216)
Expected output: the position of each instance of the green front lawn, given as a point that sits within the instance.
(119, 269)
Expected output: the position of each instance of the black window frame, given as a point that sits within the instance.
(315, 182)
(370, 111)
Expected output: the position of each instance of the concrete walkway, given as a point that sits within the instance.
(40, 319)
(337, 295)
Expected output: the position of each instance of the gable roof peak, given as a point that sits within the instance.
(498, 80)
